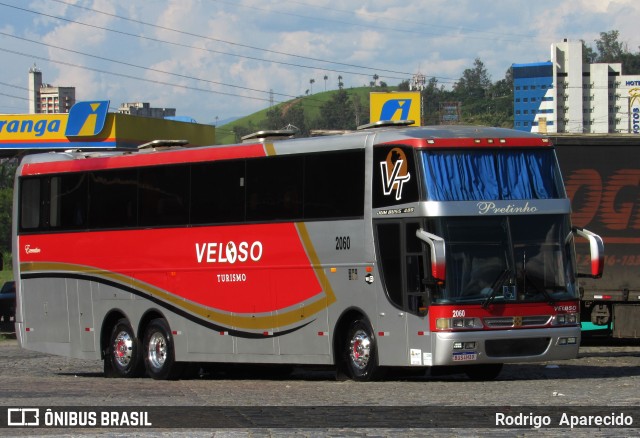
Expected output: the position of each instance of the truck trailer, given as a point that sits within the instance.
(602, 179)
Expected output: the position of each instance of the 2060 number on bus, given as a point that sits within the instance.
(343, 243)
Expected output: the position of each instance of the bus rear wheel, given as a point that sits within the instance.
(122, 358)
(159, 354)
(361, 352)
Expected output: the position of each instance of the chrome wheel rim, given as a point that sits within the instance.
(157, 350)
(123, 348)
(360, 349)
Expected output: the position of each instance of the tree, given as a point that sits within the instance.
(294, 115)
(404, 85)
(7, 173)
(325, 82)
(475, 82)
(6, 199)
(432, 96)
(338, 112)
(610, 50)
(311, 82)
(340, 83)
(275, 120)
(589, 56)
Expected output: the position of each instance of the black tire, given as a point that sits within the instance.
(122, 357)
(361, 352)
(159, 354)
(484, 372)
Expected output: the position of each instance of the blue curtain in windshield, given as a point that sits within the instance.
(490, 175)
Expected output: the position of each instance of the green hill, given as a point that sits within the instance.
(311, 105)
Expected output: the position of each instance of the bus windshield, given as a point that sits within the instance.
(494, 174)
(506, 259)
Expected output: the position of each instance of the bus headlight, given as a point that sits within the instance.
(458, 323)
(566, 319)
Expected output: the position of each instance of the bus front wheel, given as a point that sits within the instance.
(122, 358)
(361, 352)
(159, 355)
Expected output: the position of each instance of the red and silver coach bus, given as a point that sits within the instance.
(390, 246)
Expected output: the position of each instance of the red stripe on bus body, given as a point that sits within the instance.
(265, 264)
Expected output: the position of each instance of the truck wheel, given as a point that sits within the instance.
(122, 358)
(360, 354)
(159, 355)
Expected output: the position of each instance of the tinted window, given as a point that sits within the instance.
(217, 192)
(30, 203)
(391, 259)
(334, 185)
(283, 188)
(113, 199)
(163, 195)
(68, 201)
(274, 188)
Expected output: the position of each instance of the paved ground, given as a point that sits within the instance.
(604, 377)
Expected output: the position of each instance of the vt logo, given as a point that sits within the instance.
(87, 118)
(391, 107)
(394, 172)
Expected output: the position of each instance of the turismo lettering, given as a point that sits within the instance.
(28, 126)
(230, 252)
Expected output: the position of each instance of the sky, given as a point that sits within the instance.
(213, 60)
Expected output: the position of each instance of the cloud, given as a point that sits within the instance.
(244, 43)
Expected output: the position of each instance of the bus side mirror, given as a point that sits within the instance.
(436, 244)
(596, 247)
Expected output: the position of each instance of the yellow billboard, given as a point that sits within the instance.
(89, 126)
(395, 106)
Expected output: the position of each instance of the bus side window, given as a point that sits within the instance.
(30, 204)
(68, 201)
(389, 243)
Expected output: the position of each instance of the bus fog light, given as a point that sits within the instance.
(572, 340)
(469, 345)
(562, 341)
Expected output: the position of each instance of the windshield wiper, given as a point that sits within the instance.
(502, 277)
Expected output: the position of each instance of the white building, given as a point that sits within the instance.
(143, 109)
(566, 95)
(47, 99)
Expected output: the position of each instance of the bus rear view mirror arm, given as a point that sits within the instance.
(436, 243)
(596, 247)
